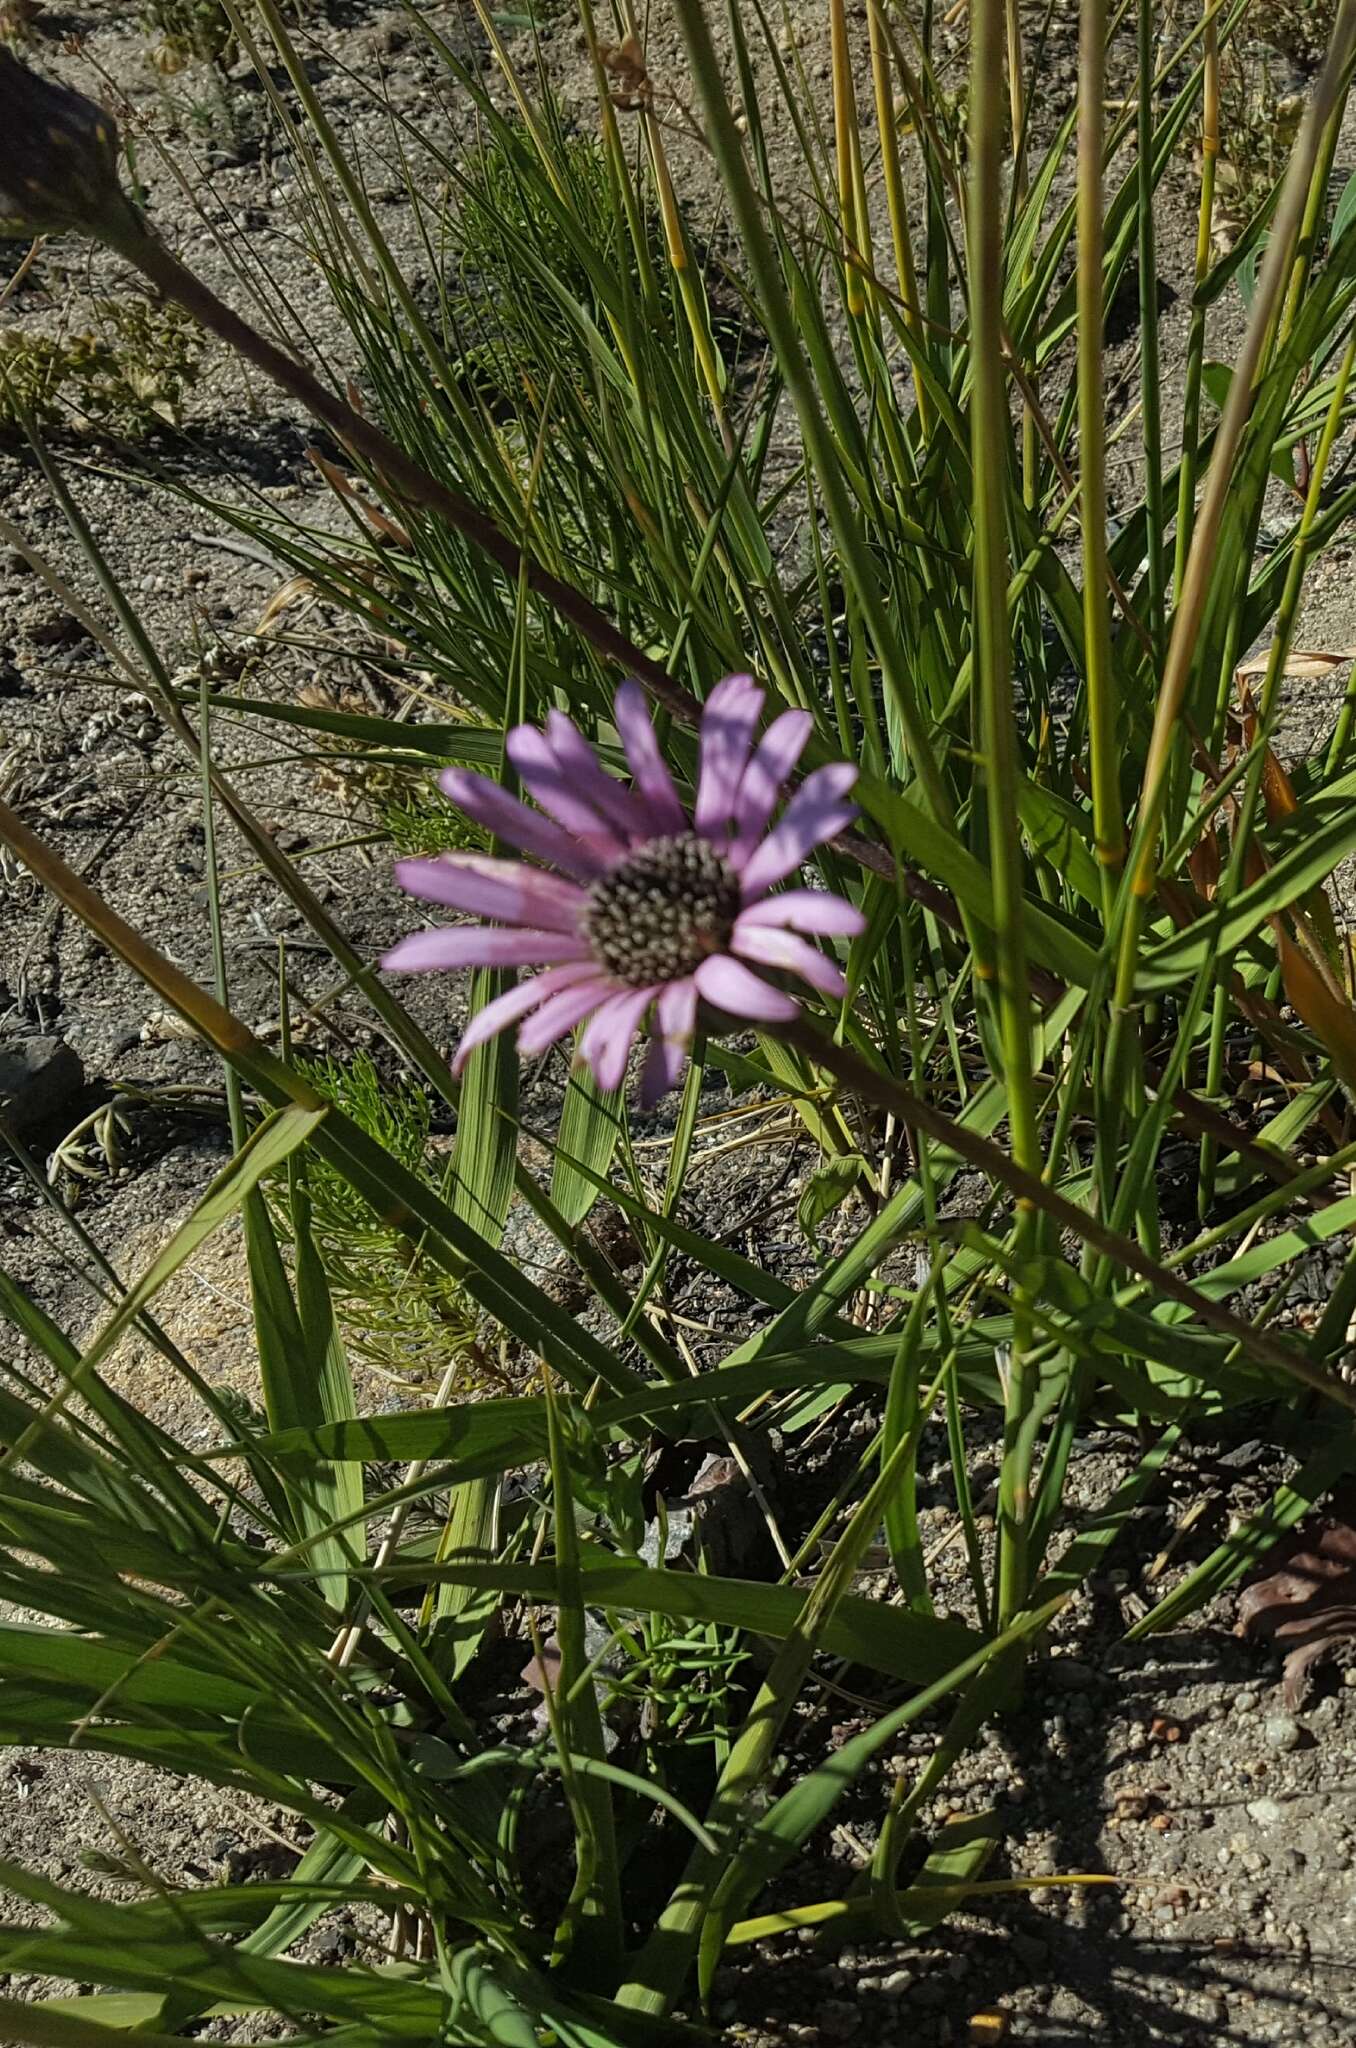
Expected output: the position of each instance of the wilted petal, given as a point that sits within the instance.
(763, 781)
(730, 986)
(560, 1013)
(610, 1034)
(618, 806)
(815, 813)
(556, 792)
(481, 945)
(729, 721)
(806, 910)
(501, 1011)
(510, 820)
(769, 947)
(674, 1022)
(648, 766)
(505, 889)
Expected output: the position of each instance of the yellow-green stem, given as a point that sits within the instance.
(895, 202)
(1012, 22)
(847, 148)
(1108, 821)
(1191, 404)
(990, 458)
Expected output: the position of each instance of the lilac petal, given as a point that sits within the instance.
(675, 1020)
(510, 820)
(648, 765)
(623, 809)
(662, 1072)
(505, 889)
(815, 813)
(506, 1009)
(610, 1034)
(764, 779)
(729, 986)
(560, 1013)
(770, 948)
(557, 792)
(482, 945)
(806, 910)
(729, 720)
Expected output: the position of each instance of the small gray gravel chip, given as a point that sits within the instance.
(1282, 1732)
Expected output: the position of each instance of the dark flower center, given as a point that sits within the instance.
(659, 913)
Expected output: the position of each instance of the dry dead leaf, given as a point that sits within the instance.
(1308, 1604)
(1300, 662)
(284, 597)
(1316, 998)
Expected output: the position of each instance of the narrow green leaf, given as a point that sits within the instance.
(590, 1125)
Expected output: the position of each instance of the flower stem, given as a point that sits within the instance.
(406, 476)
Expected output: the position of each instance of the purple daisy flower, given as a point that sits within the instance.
(636, 908)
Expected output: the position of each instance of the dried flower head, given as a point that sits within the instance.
(58, 159)
(635, 907)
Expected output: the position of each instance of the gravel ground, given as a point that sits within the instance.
(1175, 1768)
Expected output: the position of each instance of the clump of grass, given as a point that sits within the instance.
(502, 221)
(129, 373)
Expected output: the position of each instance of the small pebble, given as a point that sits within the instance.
(1282, 1732)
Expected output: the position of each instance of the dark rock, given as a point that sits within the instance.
(56, 629)
(39, 1077)
(1070, 1674)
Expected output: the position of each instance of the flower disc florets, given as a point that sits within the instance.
(664, 910)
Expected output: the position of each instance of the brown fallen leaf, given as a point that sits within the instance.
(1308, 1603)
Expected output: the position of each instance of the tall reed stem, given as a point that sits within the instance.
(990, 441)
(1150, 397)
(1108, 820)
(1191, 402)
(896, 205)
(1012, 25)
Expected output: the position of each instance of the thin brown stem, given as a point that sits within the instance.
(404, 476)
